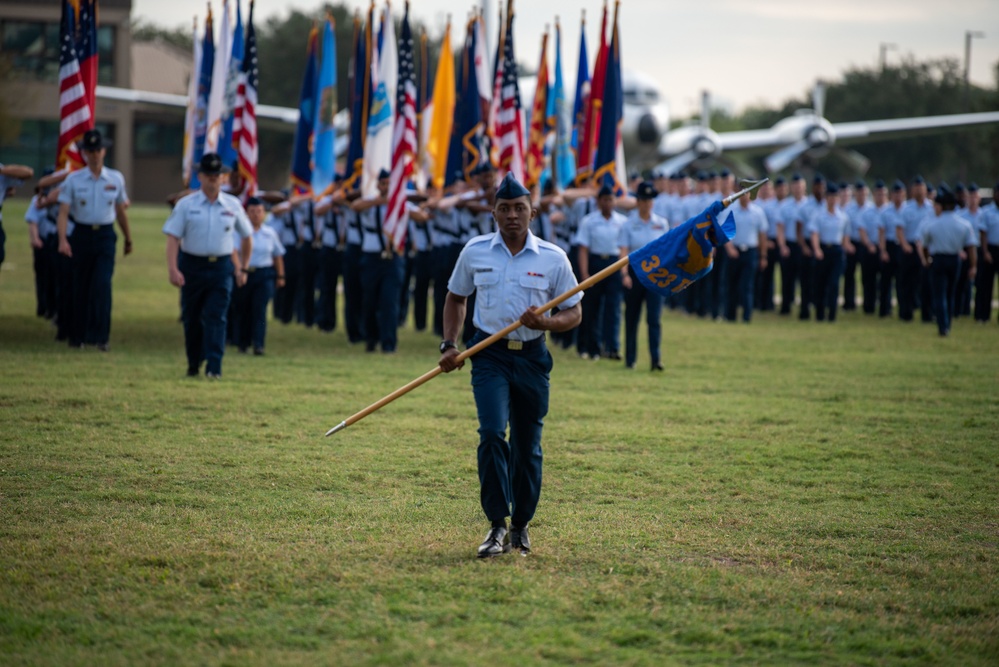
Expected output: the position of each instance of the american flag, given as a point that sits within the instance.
(86, 49)
(396, 222)
(247, 112)
(509, 121)
(75, 113)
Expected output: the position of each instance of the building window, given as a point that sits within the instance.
(33, 49)
(38, 140)
(156, 139)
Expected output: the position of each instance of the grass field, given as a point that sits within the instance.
(785, 493)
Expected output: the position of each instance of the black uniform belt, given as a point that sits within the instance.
(826, 246)
(205, 258)
(90, 226)
(254, 269)
(520, 345)
(599, 256)
(944, 255)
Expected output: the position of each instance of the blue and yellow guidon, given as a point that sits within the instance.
(683, 254)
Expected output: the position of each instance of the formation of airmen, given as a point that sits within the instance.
(888, 249)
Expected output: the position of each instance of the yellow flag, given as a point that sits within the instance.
(441, 108)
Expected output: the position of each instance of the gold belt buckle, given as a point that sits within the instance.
(515, 345)
(212, 259)
(95, 227)
(251, 269)
(386, 254)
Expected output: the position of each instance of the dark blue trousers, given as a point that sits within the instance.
(827, 275)
(444, 259)
(251, 308)
(93, 265)
(909, 283)
(381, 279)
(789, 274)
(45, 277)
(984, 283)
(869, 265)
(286, 298)
(633, 300)
(330, 266)
(806, 277)
(943, 275)
(741, 278)
(602, 309)
(353, 293)
(851, 262)
(510, 387)
(423, 268)
(65, 306)
(204, 303)
(889, 274)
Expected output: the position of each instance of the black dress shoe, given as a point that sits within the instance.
(614, 356)
(657, 366)
(519, 540)
(497, 543)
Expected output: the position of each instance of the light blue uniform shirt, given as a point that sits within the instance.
(989, 223)
(283, 224)
(45, 218)
(420, 235)
(788, 217)
(332, 224)
(506, 285)
(205, 229)
(444, 227)
(599, 234)
(92, 199)
(770, 209)
(871, 219)
(891, 220)
(913, 216)
(806, 211)
(854, 213)
(947, 234)
(832, 227)
(372, 238)
(266, 246)
(637, 233)
(304, 218)
(579, 210)
(749, 222)
(353, 235)
(541, 227)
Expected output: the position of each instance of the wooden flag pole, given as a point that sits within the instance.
(481, 345)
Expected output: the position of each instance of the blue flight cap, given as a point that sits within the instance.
(843, 185)
(779, 180)
(254, 201)
(702, 175)
(632, 175)
(725, 173)
(831, 188)
(605, 190)
(384, 173)
(646, 191)
(860, 185)
(973, 187)
(879, 184)
(918, 180)
(797, 177)
(898, 186)
(818, 178)
(945, 196)
(511, 189)
(959, 188)
(712, 174)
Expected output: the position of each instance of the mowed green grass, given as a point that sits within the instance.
(785, 493)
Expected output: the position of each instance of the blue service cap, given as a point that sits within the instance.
(898, 186)
(254, 201)
(701, 175)
(712, 174)
(879, 184)
(646, 191)
(384, 173)
(605, 190)
(860, 185)
(511, 189)
(831, 188)
(945, 196)
(725, 173)
(843, 185)
(918, 180)
(818, 178)
(973, 187)
(959, 187)
(779, 180)
(632, 175)
(797, 177)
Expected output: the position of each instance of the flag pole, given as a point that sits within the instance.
(752, 187)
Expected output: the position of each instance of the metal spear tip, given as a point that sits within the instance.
(752, 187)
(339, 427)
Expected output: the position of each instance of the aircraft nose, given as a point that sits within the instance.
(649, 131)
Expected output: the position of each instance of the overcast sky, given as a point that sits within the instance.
(743, 51)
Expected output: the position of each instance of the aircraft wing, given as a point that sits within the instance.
(748, 140)
(284, 114)
(876, 129)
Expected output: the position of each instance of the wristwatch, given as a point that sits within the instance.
(447, 345)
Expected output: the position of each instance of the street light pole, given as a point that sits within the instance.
(883, 57)
(968, 36)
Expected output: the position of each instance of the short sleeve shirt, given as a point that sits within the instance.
(92, 199)
(506, 285)
(206, 228)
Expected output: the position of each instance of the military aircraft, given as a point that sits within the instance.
(806, 133)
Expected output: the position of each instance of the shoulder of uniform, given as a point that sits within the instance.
(479, 240)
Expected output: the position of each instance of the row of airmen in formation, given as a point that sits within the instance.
(906, 242)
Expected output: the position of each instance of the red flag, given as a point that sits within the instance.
(587, 143)
(539, 129)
